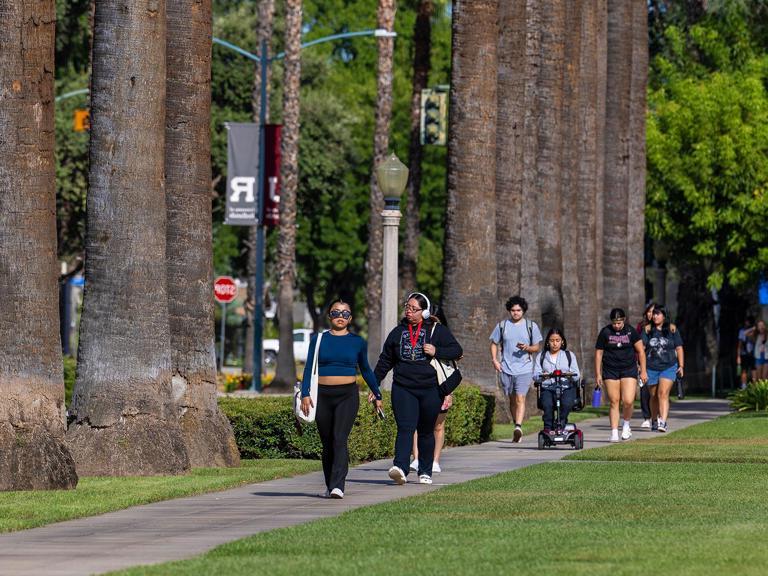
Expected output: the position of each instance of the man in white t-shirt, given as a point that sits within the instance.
(518, 340)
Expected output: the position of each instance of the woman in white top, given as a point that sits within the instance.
(556, 356)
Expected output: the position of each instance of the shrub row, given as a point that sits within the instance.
(753, 398)
(265, 427)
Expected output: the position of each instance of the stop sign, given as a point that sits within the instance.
(224, 289)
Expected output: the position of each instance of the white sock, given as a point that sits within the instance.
(626, 423)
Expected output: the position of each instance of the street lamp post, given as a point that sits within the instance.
(392, 177)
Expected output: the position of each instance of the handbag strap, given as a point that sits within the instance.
(317, 352)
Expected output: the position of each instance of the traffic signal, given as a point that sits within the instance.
(82, 120)
(434, 106)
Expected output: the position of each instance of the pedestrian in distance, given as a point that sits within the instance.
(645, 394)
(556, 356)
(514, 342)
(665, 359)
(745, 352)
(416, 396)
(761, 351)
(340, 355)
(617, 352)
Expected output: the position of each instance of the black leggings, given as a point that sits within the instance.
(548, 401)
(337, 408)
(415, 409)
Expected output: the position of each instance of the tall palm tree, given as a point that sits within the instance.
(207, 432)
(125, 418)
(385, 18)
(33, 455)
(285, 376)
(514, 75)
(589, 184)
(266, 11)
(624, 151)
(422, 31)
(470, 291)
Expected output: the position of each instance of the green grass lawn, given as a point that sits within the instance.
(29, 509)
(577, 518)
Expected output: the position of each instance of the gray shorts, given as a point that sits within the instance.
(518, 384)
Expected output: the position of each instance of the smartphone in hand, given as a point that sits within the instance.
(380, 413)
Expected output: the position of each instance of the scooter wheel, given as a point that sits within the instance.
(578, 441)
(542, 444)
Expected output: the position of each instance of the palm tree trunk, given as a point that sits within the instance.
(125, 418)
(207, 432)
(285, 376)
(421, 56)
(266, 11)
(385, 18)
(589, 201)
(549, 161)
(617, 155)
(470, 290)
(636, 224)
(33, 455)
(514, 75)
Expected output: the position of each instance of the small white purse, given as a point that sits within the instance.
(312, 388)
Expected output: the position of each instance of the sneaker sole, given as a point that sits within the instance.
(397, 477)
(336, 497)
(518, 435)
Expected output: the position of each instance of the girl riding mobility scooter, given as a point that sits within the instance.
(559, 390)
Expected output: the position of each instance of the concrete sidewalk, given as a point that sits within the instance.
(186, 527)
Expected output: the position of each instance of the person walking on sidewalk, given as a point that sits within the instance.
(416, 396)
(645, 394)
(745, 352)
(664, 352)
(516, 341)
(617, 352)
(338, 397)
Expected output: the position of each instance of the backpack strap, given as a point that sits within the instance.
(501, 338)
(568, 355)
(529, 326)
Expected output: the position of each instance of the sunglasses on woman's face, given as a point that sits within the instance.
(346, 314)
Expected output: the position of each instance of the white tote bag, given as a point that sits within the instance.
(444, 368)
(312, 388)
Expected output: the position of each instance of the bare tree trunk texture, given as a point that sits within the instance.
(421, 63)
(266, 11)
(547, 189)
(636, 221)
(513, 79)
(125, 418)
(206, 431)
(589, 196)
(33, 455)
(470, 291)
(616, 214)
(285, 376)
(385, 19)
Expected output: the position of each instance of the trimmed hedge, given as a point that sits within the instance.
(265, 427)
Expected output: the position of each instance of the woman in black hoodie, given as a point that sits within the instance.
(416, 396)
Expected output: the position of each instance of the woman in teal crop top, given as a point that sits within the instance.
(338, 397)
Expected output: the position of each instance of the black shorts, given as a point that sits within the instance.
(614, 374)
(747, 362)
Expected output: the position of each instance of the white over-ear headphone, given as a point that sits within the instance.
(427, 312)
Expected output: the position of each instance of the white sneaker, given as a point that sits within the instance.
(415, 465)
(436, 467)
(662, 425)
(425, 479)
(517, 437)
(337, 494)
(646, 424)
(614, 435)
(626, 432)
(397, 474)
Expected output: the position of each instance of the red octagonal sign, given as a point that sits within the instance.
(224, 289)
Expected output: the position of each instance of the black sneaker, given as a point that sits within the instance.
(654, 425)
(518, 435)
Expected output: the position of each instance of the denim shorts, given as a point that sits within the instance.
(517, 384)
(668, 374)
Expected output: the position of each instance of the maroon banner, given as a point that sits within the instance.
(272, 134)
